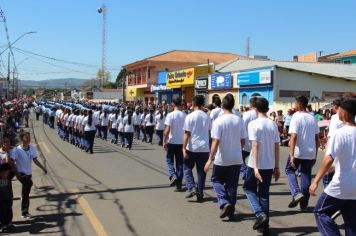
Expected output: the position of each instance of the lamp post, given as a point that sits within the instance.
(30, 32)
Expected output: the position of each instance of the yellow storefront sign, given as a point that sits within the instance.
(133, 92)
(179, 78)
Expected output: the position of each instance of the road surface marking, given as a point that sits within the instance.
(46, 149)
(88, 211)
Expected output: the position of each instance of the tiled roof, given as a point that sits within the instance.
(191, 56)
(343, 54)
(328, 69)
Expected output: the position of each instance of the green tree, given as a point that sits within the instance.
(121, 77)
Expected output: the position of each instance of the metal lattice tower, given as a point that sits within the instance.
(103, 10)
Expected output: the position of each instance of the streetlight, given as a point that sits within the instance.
(30, 32)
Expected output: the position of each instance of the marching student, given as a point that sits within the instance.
(149, 124)
(136, 118)
(128, 129)
(64, 119)
(228, 134)
(104, 122)
(159, 120)
(248, 116)
(120, 127)
(23, 156)
(89, 125)
(340, 194)
(214, 114)
(77, 125)
(196, 147)
(96, 116)
(263, 163)
(143, 129)
(113, 126)
(303, 151)
(173, 143)
(69, 126)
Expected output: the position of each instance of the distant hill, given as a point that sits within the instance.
(53, 83)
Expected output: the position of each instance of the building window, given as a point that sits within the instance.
(293, 93)
(244, 99)
(347, 62)
(256, 95)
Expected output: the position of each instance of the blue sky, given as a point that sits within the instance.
(71, 30)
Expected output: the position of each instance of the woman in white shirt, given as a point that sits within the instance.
(104, 121)
(143, 128)
(89, 128)
(66, 124)
(120, 127)
(128, 129)
(113, 126)
(136, 118)
(159, 120)
(150, 125)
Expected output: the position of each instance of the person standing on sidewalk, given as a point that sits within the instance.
(196, 147)
(228, 134)
(248, 116)
(340, 194)
(23, 155)
(173, 143)
(263, 163)
(303, 151)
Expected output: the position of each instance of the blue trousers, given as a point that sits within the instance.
(326, 207)
(175, 154)
(225, 181)
(305, 168)
(199, 159)
(129, 139)
(243, 171)
(257, 193)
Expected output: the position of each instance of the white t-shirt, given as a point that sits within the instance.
(59, 113)
(23, 158)
(175, 120)
(229, 129)
(265, 132)
(159, 122)
(342, 147)
(235, 112)
(79, 121)
(74, 117)
(113, 121)
(248, 117)
(147, 120)
(335, 123)
(128, 127)
(3, 157)
(143, 116)
(88, 127)
(96, 115)
(120, 123)
(214, 114)
(136, 118)
(306, 127)
(65, 119)
(69, 120)
(104, 121)
(198, 124)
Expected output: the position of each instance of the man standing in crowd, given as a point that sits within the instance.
(173, 143)
(228, 134)
(214, 114)
(248, 116)
(23, 155)
(340, 194)
(263, 163)
(287, 118)
(196, 147)
(303, 151)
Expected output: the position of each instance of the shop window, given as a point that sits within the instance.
(347, 62)
(244, 99)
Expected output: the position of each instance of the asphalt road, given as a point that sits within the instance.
(121, 192)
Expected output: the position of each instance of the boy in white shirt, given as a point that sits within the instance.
(23, 155)
(304, 143)
(263, 163)
(340, 194)
(173, 143)
(228, 134)
(196, 147)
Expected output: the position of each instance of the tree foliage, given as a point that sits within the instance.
(121, 77)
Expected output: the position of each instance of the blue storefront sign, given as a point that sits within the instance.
(221, 81)
(162, 77)
(255, 77)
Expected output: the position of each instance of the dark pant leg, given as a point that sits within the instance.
(37, 116)
(104, 131)
(232, 181)
(292, 177)
(159, 133)
(201, 159)
(348, 211)
(188, 165)
(27, 183)
(129, 137)
(149, 131)
(305, 171)
(245, 154)
(116, 134)
(178, 155)
(143, 130)
(250, 188)
(218, 179)
(324, 209)
(171, 149)
(263, 189)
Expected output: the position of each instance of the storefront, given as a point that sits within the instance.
(222, 84)
(257, 82)
(182, 81)
(134, 94)
(164, 94)
(201, 87)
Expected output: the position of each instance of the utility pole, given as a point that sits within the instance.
(8, 76)
(103, 10)
(248, 46)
